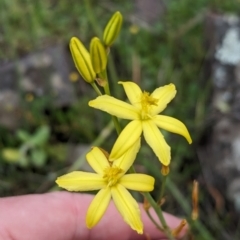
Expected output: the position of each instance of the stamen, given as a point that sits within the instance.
(147, 101)
(111, 175)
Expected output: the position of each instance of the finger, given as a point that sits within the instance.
(61, 215)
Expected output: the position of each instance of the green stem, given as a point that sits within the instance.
(104, 134)
(92, 18)
(205, 234)
(162, 187)
(153, 220)
(157, 209)
(117, 125)
(104, 77)
(107, 89)
(95, 87)
(97, 30)
(159, 212)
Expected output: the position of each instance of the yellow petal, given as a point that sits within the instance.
(97, 160)
(156, 141)
(115, 107)
(128, 207)
(98, 207)
(130, 134)
(164, 95)
(133, 93)
(137, 182)
(81, 181)
(126, 161)
(172, 125)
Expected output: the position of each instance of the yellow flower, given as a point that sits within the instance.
(143, 111)
(113, 183)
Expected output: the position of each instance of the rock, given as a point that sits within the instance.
(47, 74)
(40, 74)
(10, 110)
(220, 153)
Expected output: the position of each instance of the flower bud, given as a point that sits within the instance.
(146, 204)
(195, 200)
(165, 170)
(82, 60)
(179, 228)
(112, 29)
(98, 55)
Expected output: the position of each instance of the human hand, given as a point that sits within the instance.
(61, 216)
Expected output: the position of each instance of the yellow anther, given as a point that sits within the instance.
(111, 175)
(147, 101)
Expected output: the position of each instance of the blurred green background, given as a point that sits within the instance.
(46, 125)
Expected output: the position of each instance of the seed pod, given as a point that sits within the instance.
(82, 60)
(112, 29)
(98, 55)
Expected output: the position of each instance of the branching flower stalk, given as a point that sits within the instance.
(115, 173)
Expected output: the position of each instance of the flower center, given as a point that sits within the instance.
(147, 101)
(111, 175)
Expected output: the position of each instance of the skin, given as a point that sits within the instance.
(61, 216)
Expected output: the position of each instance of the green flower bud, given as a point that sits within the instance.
(98, 55)
(82, 60)
(112, 29)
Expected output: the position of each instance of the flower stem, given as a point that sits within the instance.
(95, 87)
(156, 208)
(164, 179)
(107, 91)
(153, 220)
(116, 124)
(159, 212)
(91, 17)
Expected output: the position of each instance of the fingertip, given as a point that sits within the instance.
(112, 223)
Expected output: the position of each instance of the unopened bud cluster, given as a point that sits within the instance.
(91, 63)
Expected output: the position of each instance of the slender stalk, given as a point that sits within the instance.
(104, 134)
(164, 179)
(156, 208)
(116, 124)
(92, 18)
(95, 87)
(153, 220)
(104, 77)
(97, 30)
(205, 234)
(159, 212)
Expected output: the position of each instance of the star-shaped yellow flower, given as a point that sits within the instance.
(143, 111)
(113, 183)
